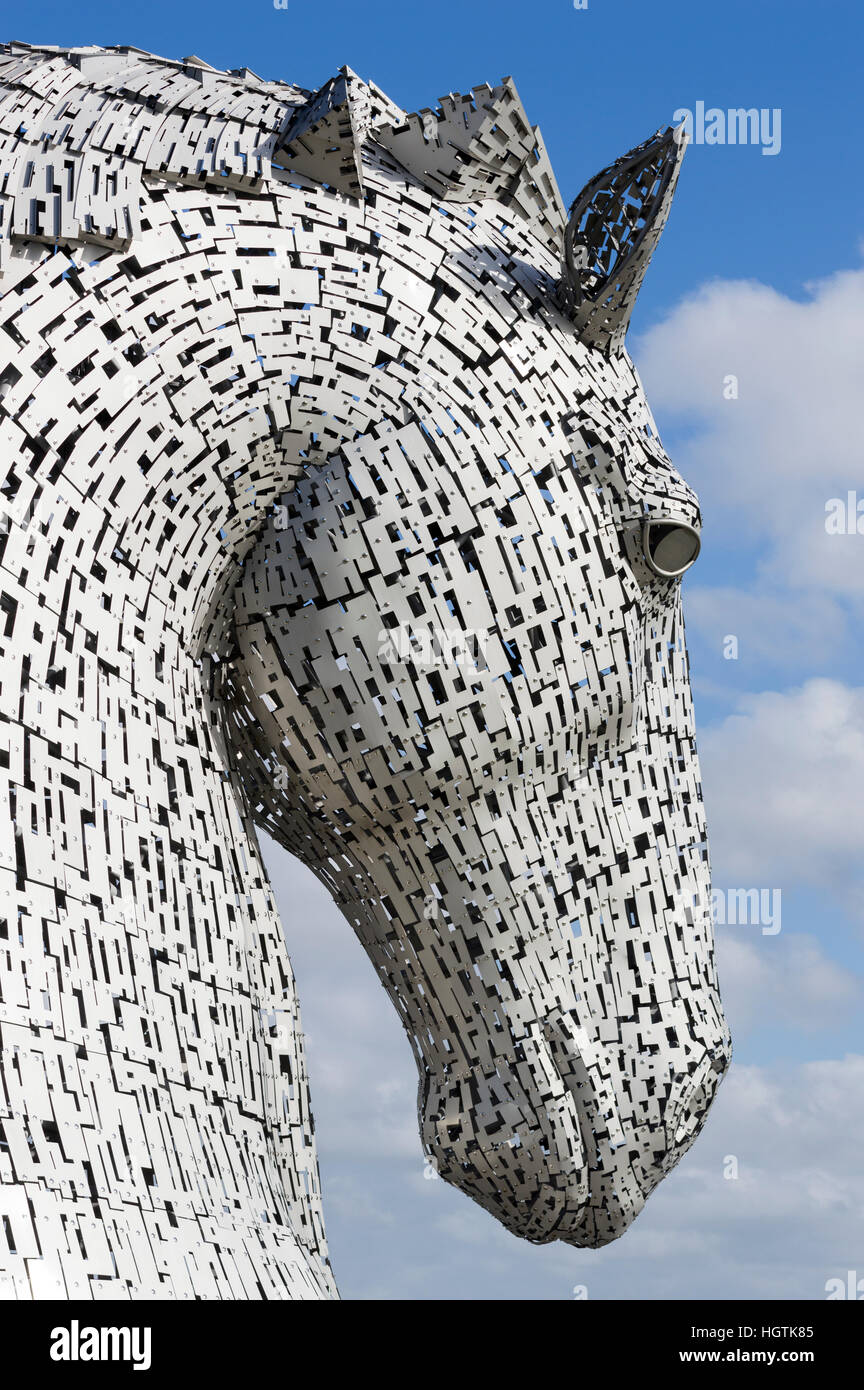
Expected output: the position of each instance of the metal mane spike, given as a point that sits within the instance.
(613, 228)
(324, 138)
(481, 145)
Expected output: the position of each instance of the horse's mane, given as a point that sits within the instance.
(81, 128)
(84, 130)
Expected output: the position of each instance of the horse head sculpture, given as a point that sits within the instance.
(356, 505)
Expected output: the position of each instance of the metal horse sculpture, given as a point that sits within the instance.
(334, 507)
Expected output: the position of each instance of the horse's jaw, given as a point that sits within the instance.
(560, 1172)
(551, 1092)
(575, 1163)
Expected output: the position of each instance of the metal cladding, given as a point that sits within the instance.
(327, 510)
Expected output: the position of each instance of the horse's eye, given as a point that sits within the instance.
(670, 547)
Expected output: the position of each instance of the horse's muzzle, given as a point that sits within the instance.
(543, 1142)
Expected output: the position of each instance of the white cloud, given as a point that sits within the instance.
(785, 979)
(791, 631)
(783, 778)
(791, 1220)
(769, 460)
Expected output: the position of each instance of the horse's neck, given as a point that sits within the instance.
(157, 1129)
(143, 978)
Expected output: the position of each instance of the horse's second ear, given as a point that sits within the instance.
(613, 228)
(480, 145)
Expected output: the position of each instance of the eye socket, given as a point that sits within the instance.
(670, 547)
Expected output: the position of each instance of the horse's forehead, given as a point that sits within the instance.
(511, 278)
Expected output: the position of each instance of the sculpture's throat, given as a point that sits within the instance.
(159, 1091)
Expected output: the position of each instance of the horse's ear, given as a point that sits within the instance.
(323, 138)
(480, 145)
(613, 228)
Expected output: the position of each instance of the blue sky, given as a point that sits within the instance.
(759, 276)
(597, 81)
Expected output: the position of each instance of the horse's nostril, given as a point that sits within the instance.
(687, 1113)
(516, 1187)
(509, 1136)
